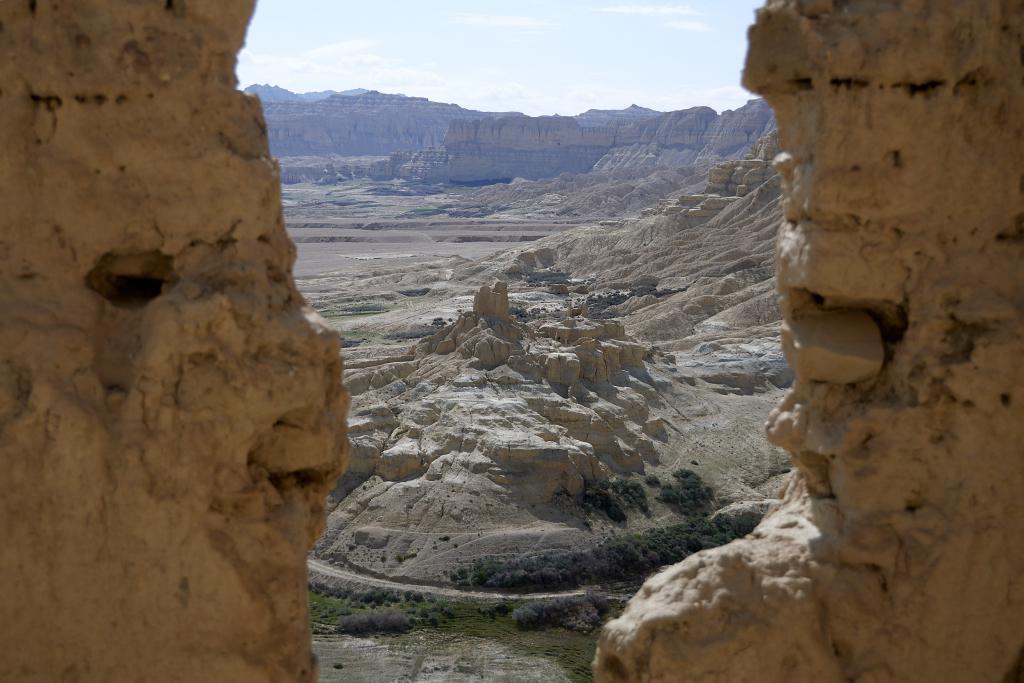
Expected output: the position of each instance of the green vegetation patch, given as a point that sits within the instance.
(559, 629)
(614, 497)
(351, 310)
(629, 557)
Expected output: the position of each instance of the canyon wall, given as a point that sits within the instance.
(372, 123)
(171, 417)
(493, 150)
(897, 553)
(439, 143)
(523, 147)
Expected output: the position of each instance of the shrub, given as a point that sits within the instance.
(688, 492)
(631, 493)
(576, 613)
(613, 497)
(369, 623)
(492, 611)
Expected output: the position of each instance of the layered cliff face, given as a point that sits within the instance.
(521, 147)
(171, 415)
(690, 137)
(502, 149)
(898, 551)
(372, 123)
(439, 143)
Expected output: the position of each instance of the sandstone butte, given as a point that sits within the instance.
(172, 418)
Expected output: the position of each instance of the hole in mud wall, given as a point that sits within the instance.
(176, 7)
(131, 280)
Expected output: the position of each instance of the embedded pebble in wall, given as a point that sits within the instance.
(842, 347)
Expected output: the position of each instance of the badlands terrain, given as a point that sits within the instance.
(545, 372)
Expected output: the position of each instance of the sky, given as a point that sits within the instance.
(532, 56)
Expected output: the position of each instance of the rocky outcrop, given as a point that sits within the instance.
(372, 123)
(738, 178)
(734, 131)
(331, 170)
(171, 415)
(492, 302)
(898, 549)
(425, 165)
(495, 426)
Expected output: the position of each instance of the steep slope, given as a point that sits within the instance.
(695, 136)
(708, 252)
(599, 194)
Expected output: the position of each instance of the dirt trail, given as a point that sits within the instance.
(318, 567)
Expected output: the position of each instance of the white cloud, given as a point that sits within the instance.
(344, 49)
(651, 10)
(693, 26)
(498, 21)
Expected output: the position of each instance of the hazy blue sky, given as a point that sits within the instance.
(533, 56)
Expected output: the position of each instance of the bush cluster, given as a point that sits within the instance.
(373, 623)
(375, 597)
(614, 497)
(495, 610)
(630, 557)
(576, 613)
(687, 492)
(631, 493)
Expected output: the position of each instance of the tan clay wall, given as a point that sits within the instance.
(170, 419)
(898, 552)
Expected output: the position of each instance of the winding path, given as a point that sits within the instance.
(321, 568)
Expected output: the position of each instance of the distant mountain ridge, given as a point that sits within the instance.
(612, 117)
(440, 142)
(368, 124)
(273, 93)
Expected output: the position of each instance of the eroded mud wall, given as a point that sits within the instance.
(898, 552)
(170, 419)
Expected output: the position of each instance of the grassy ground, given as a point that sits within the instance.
(572, 651)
